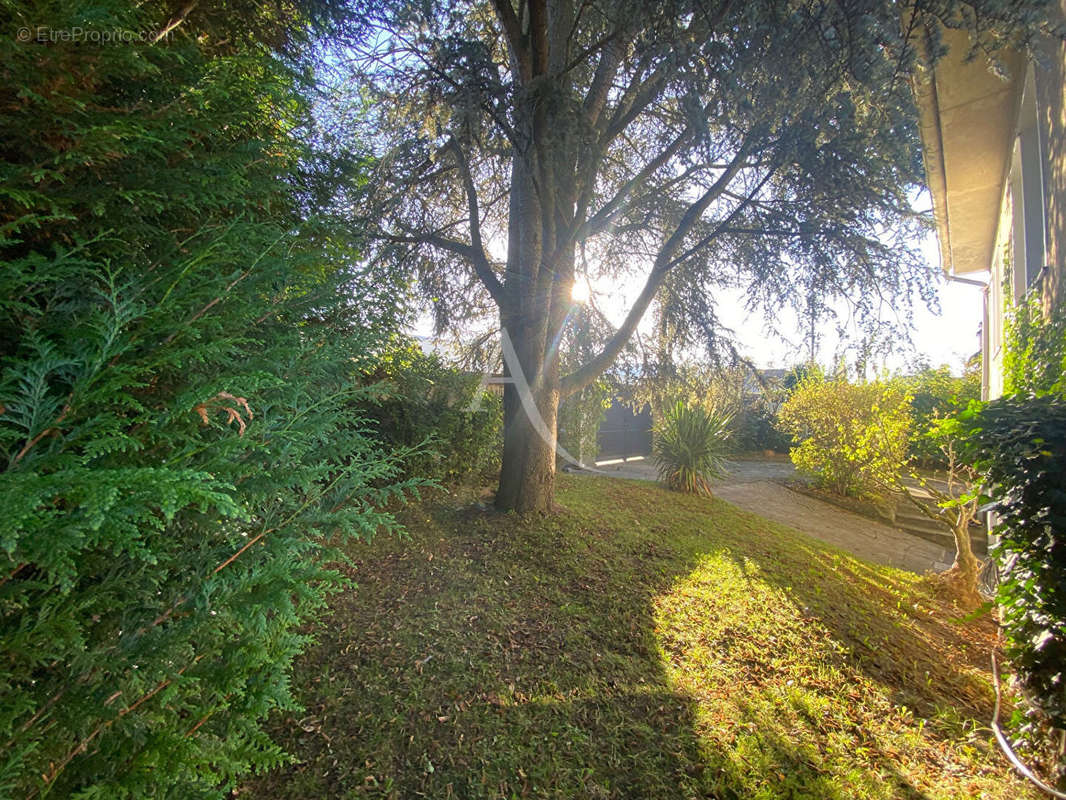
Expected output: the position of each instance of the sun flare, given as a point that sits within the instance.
(579, 292)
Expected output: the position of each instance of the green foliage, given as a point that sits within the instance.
(852, 438)
(580, 417)
(666, 384)
(689, 446)
(731, 390)
(937, 394)
(178, 358)
(1019, 444)
(755, 426)
(450, 431)
(798, 374)
(1034, 355)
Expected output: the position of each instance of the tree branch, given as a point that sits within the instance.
(477, 249)
(723, 226)
(515, 41)
(462, 249)
(610, 59)
(664, 261)
(538, 36)
(639, 96)
(179, 18)
(602, 218)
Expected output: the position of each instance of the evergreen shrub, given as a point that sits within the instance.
(689, 446)
(182, 338)
(450, 428)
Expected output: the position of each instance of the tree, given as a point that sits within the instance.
(768, 146)
(955, 507)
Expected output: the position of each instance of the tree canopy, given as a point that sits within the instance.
(767, 146)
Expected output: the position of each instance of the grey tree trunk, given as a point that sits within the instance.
(539, 276)
(527, 474)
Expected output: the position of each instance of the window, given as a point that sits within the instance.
(1027, 195)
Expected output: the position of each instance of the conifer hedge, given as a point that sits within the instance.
(181, 340)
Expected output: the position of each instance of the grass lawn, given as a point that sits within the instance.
(638, 644)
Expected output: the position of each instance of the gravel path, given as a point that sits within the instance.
(754, 486)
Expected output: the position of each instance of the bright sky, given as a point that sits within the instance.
(948, 337)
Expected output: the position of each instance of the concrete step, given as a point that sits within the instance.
(919, 520)
(930, 531)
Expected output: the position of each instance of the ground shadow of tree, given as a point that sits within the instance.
(493, 656)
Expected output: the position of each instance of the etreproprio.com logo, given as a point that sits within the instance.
(46, 34)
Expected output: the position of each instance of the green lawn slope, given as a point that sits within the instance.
(637, 644)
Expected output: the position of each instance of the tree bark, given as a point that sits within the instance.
(530, 415)
(538, 279)
(527, 474)
(966, 565)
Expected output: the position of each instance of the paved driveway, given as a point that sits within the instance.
(753, 485)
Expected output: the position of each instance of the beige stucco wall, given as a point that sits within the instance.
(969, 123)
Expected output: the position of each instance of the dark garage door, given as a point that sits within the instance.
(624, 433)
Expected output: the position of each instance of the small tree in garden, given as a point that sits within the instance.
(851, 438)
(955, 504)
(689, 446)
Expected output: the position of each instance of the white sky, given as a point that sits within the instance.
(949, 337)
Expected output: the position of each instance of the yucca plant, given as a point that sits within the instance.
(690, 447)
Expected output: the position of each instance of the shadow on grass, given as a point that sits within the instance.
(491, 656)
(897, 633)
(485, 657)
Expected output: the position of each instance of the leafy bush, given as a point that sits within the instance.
(936, 394)
(852, 438)
(1034, 353)
(450, 432)
(1018, 442)
(580, 417)
(1020, 445)
(755, 428)
(178, 357)
(690, 445)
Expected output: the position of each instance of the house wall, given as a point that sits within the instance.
(1031, 232)
(1051, 109)
(997, 293)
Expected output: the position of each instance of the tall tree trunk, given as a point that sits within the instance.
(530, 418)
(539, 278)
